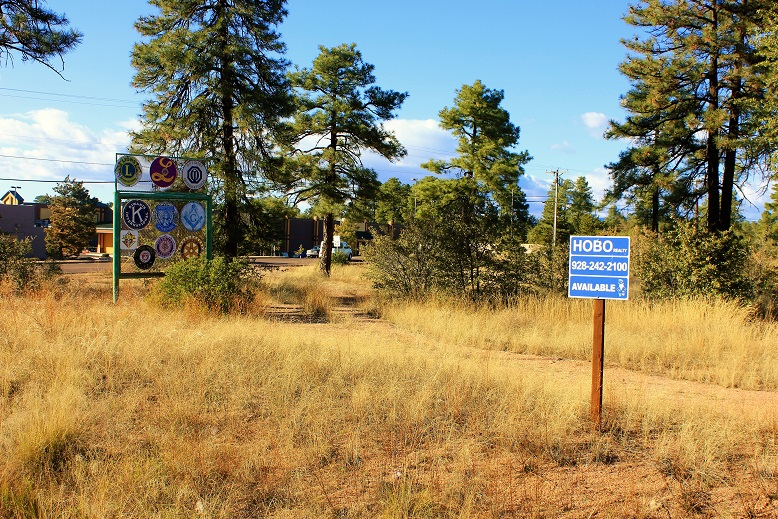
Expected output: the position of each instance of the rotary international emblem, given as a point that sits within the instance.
(194, 175)
(191, 247)
(128, 240)
(136, 214)
(163, 172)
(193, 216)
(165, 246)
(128, 170)
(144, 257)
(165, 217)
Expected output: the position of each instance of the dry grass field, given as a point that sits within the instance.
(322, 400)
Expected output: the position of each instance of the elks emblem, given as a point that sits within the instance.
(165, 246)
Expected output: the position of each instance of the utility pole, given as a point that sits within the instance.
(556, 201)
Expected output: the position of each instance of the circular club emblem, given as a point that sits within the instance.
(144, 257)
(165, 246)
(128, 170)
(194, 175)
(193, 216)
(191, 247)
(136, 214)
(165, 217)
(163, 172)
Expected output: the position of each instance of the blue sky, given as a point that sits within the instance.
(556, 62)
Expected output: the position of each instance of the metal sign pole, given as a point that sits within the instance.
(598, 361)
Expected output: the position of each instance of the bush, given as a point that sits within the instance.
(689, 262)
(15, 266)
(220, 284)
(340, 258)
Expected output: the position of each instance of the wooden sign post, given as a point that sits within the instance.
(598, 362)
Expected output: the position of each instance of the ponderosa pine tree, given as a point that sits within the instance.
(486, 138)
(72, 219)
(692, 102)
(340, 114)
(219, 91)
(28, 28)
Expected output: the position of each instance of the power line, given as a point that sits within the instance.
(55, 181)
(57, 160)
(72, 96)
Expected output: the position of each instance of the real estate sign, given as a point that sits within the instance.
(599, 267)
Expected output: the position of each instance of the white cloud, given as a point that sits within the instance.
(423, 139)
(595, 122)
(563, 147)
(47, 144)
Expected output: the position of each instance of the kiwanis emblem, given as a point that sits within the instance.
(194, 175)
(136, 214)
(163, 172)
(128, 171)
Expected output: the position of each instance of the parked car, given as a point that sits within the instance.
(312, 253)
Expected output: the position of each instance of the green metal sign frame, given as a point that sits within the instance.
(155, 196)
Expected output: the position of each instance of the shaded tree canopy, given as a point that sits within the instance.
(692, 109)
(28, 28)
(219, 91)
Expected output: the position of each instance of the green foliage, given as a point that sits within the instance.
(340, 258)
(15, 266)
(35, 32)
(687, 262)
(395, 203)
(218, 90)
(486, 138)
(221, 285)
(72, 219)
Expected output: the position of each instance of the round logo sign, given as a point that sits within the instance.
(163, 172)
(194, 175)
(128, 170)
(165, 246)
(191, 247)
(136, 214)
(193, 216)
(165, 217)
(144, 257)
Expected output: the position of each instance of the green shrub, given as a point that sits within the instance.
(340, 258)
(220, 284)
(15, 266)
(690, 262)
